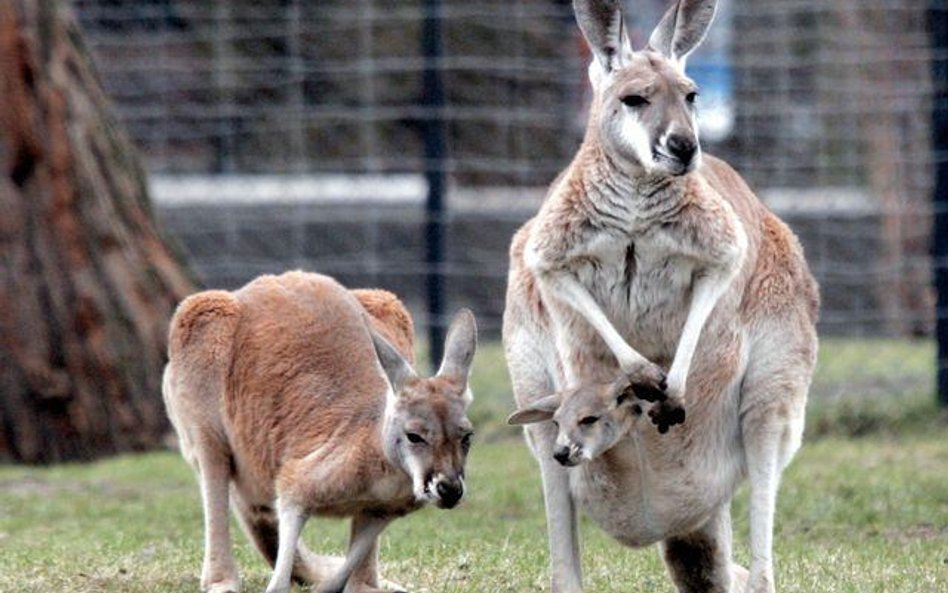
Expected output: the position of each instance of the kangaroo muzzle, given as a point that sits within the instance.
(447, 491)
(682, 148)
(567, 455)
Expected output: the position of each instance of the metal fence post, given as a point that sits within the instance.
(435, 162)
(938, 21)
(224, 84)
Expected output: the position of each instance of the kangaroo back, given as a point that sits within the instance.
(303, 368)
(295, 396)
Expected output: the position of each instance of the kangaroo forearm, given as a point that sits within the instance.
(567, 289)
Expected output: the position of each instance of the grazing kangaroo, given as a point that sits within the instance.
(290, 400)
(653, 263)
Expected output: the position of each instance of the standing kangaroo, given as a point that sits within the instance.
(655, 264)
(289, 400)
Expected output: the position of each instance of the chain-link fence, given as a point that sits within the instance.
(284, 133)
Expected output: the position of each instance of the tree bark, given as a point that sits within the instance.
(87, 283)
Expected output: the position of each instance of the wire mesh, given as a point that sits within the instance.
(284, 133)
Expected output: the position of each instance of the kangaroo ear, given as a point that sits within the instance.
(601, 24)
(459, 346)
(396, 368)
(682, 29)
(538, 411)
(623, 391)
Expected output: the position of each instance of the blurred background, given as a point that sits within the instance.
(400, 145)
(285, 133)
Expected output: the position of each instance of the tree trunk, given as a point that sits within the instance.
(87, 283)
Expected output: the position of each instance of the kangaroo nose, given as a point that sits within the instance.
(561, 454)
(682, 148)
(449, 493)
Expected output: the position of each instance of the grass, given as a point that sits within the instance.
(863, 514)
(878, 386)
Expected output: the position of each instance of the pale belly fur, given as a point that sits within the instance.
(641, 493)
(649, 486)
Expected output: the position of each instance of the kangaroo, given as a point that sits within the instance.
(653, 265)
(294, 397)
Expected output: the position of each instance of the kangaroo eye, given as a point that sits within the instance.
(415, 438)
(589, 420)
(466, 441)
(691, 97)
(634, 101)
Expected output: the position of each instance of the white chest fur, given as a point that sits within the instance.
(643, 285)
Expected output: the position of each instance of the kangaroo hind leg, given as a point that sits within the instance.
(200, 346)
(259, 522)
(219, 571)
(700, 561)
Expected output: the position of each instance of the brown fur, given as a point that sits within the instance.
(277, 388)
(390, 318)
(298, 337)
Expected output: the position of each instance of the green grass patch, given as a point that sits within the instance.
(867, 514)
(863, 515)
(874, 386)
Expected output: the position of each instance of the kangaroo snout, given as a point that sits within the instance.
(683, 148)
(564, 455)
(449, 491)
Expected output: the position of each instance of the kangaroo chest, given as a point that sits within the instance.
(643, 284)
